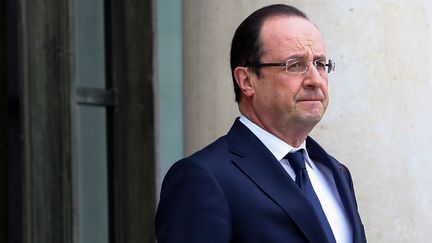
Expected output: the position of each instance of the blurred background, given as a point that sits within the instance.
(99, 98)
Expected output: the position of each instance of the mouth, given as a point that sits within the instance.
(310, 100)
(310, 103)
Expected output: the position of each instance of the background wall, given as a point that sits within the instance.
(378, 121)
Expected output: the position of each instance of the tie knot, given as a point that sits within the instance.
(296, 160)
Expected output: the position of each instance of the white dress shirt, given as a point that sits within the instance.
(320, 176)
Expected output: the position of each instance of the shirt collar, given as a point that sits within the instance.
(276, 146)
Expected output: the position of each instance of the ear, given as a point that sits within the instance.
(243, 78)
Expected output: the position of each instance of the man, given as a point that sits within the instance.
(266, 180)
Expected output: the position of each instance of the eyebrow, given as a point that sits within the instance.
(303, 56)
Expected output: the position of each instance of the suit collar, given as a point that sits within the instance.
(256, 162)
(277, 146)
(342, 180)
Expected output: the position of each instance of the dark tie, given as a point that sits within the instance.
(297, 162)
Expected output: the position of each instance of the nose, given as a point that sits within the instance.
(313, 78)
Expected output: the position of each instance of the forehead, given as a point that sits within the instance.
(284, 36)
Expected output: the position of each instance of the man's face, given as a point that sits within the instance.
(290, 99)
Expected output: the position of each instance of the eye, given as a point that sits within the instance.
(295, 66)
(320, 65)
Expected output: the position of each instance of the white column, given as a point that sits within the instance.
(378, 121)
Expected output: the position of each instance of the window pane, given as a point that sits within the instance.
(92, 175)
(91, 124)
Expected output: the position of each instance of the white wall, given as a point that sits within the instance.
(379, 119)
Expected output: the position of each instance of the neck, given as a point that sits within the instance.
(290, 133)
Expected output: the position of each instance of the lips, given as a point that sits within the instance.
(309, 99)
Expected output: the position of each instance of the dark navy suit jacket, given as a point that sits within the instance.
(235, 190)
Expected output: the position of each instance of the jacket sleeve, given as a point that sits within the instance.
(351, 184)
(192, 207)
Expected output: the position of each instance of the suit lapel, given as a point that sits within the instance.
(342, 181)
(257, 163)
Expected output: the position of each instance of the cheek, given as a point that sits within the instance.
(271, 97)
(284, 100)
(277, 90)
(284, 91)
(325, 90)
(324, 86)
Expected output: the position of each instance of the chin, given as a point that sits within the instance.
(312, 119)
